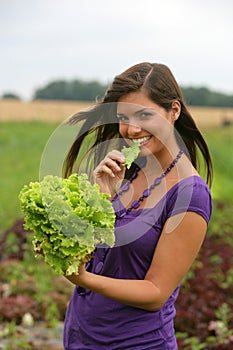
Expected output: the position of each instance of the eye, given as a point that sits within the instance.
(122, 118)
(145, 115)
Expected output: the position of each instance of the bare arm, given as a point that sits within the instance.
(172, 259)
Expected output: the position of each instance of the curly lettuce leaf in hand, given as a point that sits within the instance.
(131, 153)
(69, 217)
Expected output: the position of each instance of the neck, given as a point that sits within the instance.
(159, 162)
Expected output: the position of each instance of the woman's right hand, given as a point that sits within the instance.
(110, 173)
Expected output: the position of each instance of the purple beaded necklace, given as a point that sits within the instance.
(135, 204)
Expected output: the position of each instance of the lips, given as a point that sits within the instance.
(142, 140)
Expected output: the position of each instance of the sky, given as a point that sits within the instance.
(46, 40)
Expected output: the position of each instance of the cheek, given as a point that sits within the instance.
(159, 126)
(152, 128)
(161, 133)
(122, 129)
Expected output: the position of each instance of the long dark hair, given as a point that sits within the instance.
(158, 83)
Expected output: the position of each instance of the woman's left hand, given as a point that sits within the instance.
(77, 278)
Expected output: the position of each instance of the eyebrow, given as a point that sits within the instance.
(142, 110)
(137, 112)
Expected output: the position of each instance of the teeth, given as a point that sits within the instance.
(142, 139)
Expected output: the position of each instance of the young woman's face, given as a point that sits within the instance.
(143, 120)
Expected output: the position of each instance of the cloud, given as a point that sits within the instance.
(42, 40)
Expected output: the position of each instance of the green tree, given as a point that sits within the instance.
(11, 95)
(79, 90)
(202, 96)
(71, 90)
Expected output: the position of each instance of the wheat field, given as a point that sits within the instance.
(58, 111)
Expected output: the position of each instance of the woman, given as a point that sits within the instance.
(124, 297)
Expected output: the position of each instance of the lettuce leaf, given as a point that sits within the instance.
(69, 218)
(131, 153)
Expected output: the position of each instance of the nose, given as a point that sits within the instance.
(134, 129)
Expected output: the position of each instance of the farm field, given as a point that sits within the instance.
(58, 111)
(27, 285)
(39, 110)
(27, 126)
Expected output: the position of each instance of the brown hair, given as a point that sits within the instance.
(158, 83)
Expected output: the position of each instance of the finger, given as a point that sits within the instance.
(116, 156)
(104, 169)
(113, 164)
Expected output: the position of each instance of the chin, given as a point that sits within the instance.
(145, 152)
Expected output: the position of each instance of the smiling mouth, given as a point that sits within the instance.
(142, 140)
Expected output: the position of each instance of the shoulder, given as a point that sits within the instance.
(190, 194)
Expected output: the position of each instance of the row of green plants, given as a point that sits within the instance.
(205, 306)
(22, 145)
(28, 288)
(32, 294)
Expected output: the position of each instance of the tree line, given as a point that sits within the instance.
(79, 90)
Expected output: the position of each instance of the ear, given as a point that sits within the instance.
(176, 109)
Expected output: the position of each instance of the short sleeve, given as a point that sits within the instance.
(190, 194)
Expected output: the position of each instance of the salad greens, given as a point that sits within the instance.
(69, 217)
(131, 153)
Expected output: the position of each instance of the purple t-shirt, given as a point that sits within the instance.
(95, 322)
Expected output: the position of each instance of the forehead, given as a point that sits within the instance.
(134, 102)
